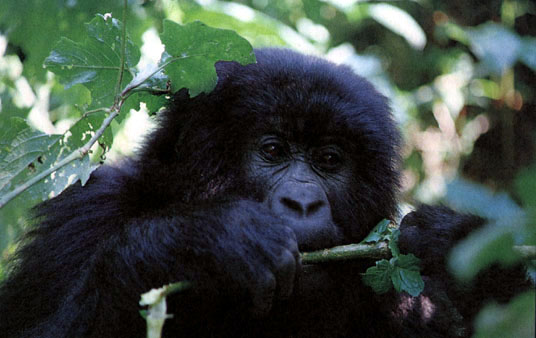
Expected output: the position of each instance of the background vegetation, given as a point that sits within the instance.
(460, 76)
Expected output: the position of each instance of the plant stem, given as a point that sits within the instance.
(344, 252)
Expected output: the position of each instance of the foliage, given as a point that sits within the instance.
(516, 319)
(401, 271)
(98, 65)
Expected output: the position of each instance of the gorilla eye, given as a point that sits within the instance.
(273, 151)
(328, 159)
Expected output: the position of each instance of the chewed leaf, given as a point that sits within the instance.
(96, 62)
(379, 232)
(20, 145)
(193, 50)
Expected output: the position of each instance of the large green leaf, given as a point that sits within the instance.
(515, 319)
(402, 272)
(195, 48)
(33, 25)
(379, 277)
(96, 62)
(487, 245)
(406, 275)
(20, 145)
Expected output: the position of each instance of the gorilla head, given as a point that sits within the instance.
(311, 139)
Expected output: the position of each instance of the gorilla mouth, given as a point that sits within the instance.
(313, 235)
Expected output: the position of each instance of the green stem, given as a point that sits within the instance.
(123, 53)
(345, 252)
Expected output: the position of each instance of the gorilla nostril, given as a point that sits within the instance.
(293, 205)
(312, 208)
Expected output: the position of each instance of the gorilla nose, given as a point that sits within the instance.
(301, 208)
(300, 201)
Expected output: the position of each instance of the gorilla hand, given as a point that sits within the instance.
(260, 254)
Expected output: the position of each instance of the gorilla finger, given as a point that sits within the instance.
(285, 272)
(292, 246)
(263, 294)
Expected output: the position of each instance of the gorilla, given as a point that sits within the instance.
(290, 154)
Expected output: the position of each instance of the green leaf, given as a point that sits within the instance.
(402, 272)
(406, 275)
(496, 46)
(37, 24)
(145, 92)
(153, 102)
(516, 319)
(59, 147)
(194, 49)
(379, 232)
(525, 184)
(96, 62)
(379, 277)
(489, 244)
(393, 242)
(20, 145)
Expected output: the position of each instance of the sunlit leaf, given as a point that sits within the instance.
(96, 62)
(20, 145)
(196, 48)
(147, 91)
(400, 22)
(257, 27)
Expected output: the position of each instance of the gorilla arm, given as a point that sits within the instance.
(85, 265)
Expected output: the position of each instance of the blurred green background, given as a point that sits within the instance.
(460, 76)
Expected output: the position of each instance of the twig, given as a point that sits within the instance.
(123, 54)
(345, 252)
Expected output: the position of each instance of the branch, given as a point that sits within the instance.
(123, 54)
(379, 250)
(346, 252)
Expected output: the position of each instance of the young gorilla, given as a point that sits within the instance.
(292, 153)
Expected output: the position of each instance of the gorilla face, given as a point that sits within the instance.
(301, 181)
(310, 139)
(313, 145)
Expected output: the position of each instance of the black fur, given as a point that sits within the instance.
(198, 204)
